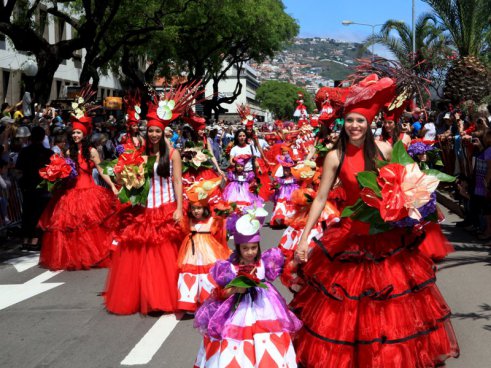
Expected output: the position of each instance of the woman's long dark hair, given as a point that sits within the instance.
(370, 151)
(85, 142)
(395, 133)
(163, 167)
(236, 136)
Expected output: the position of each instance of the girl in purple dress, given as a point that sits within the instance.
(238, 189)
(247, 327)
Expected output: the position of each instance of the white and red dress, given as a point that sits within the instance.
(203, 246)
(143, 274)
(253, 331)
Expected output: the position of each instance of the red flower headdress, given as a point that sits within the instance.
(247, 117)
(80, 109)
(133, 108)
(169, 105)
(329, 101)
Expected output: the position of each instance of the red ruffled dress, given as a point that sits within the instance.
(370, 300)
(143, 273)
(76, 224)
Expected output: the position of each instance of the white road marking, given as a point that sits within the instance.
(146, 348)
(24, 263)
(15, 293)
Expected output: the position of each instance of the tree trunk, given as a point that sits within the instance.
(47, 66)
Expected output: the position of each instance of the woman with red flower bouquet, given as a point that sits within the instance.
(77, 232)
(144, 271)
(369, 298)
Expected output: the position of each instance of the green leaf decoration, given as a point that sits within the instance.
(123, 195)
(440, 175)
(379, 228)
(381, 163)
(244, 282)
(350, 210)
(108, 166)
(368, 179)
(400, 155)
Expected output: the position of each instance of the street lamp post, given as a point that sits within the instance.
(349, 22)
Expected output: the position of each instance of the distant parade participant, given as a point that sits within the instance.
(240, 184)
(133, 138)
(77, 235)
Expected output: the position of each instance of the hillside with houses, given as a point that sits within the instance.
(313, 62)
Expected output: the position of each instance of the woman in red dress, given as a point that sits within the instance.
(143, 274)
(77, 234)
(369, 300)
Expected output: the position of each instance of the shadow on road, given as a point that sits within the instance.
(484, 313)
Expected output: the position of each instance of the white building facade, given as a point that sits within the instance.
(250, 83)
(12, 65)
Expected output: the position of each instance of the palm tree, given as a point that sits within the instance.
(431, 43)
(432, 54)
(467, 22)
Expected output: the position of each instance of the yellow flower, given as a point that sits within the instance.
(133, 177)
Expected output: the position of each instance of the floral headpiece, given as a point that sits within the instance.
(201, 192)
(304, 171)
(369, 95)
(247, 117)
(133, 108)
(329, 101)
(80, 108)
(285, 161)
(168, 106)
(196, 122)
(247, 228)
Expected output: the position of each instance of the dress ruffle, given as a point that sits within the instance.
(143, 274)
(77, 228)
(371, 301)
(435, 245)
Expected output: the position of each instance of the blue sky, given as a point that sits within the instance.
(323, 17)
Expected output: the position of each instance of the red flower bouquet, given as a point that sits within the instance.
(401, 195)
(129, 170)
(58, 170)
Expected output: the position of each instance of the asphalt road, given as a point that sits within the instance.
(58, 320)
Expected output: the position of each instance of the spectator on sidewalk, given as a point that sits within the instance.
(30, 160)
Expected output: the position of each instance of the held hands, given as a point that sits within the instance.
(177, 215)
(301, 254)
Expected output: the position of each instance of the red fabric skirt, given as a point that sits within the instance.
(435, 245)
(77, 228)
(371, 301)
(143, 273)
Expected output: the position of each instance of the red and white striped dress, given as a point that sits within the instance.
(143, 275)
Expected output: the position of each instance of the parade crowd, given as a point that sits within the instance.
(156, 197)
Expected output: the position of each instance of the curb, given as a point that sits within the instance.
(446, 200)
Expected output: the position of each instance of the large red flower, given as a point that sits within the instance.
(56, 169)
(133, 158)
(392, 204)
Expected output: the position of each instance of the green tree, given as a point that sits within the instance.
(280, 98)
(468, 24)
(214, 37)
